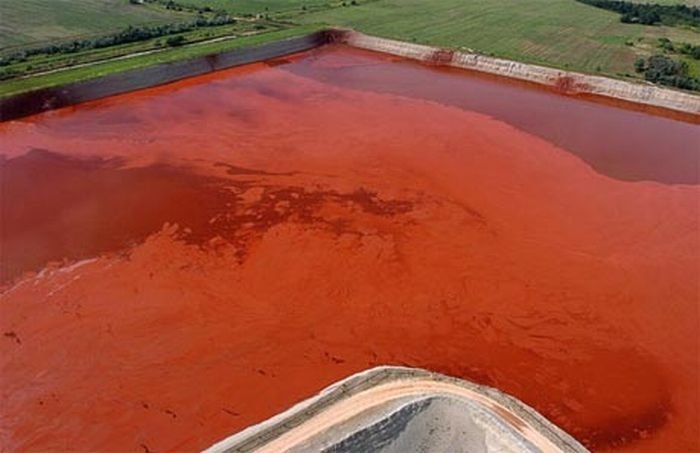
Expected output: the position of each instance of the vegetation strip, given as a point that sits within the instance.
(144, 74)
(650, 13)
(128, 35)
(583, 36)
(118, 66)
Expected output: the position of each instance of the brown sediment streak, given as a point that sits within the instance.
(232, 244)
(568, 85)
(440, 57)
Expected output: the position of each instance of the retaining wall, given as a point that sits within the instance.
(638, 96)
(37, 101)
(569, 83)
(258, 436)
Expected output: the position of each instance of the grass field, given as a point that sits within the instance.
(263, 6)
(559, 33)
(40, 63)
(100, 69)
(29, 21)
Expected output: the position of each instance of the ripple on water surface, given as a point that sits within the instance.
(181, 262)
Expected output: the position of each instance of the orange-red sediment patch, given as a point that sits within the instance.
(181, 262)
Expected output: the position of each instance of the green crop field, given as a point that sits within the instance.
(30, 21)
(262, 6)
(110, 67)
(559, 33)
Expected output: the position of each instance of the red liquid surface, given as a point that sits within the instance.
(182, 262)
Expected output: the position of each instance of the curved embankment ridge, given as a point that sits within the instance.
(381, 409)
(647, 97)
(55, 97)
(570, 83)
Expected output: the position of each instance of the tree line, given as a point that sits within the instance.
(667, 71)
(683, 48)
(650, 13)
(128, 35)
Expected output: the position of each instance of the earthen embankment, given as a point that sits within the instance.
(565, 82)
(338, 417)
(32, 102)
(639, 96)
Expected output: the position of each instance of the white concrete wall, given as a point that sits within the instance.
(567, 82)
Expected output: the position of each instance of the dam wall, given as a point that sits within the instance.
(637, 96)
(565, 82)
(382, 419)
(37, 101)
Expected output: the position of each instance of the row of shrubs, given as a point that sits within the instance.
(667, 71)
(174, 6)
(128, 35)
(683, 48)
(650, 13)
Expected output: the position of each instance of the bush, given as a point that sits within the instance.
(666, 44)
(666, 71)
(650, 13)
(128, 35)
(680, 48)
(8, 73)
(175, 41)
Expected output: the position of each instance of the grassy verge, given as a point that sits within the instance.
(39, 63)
(15, 86)
(557, 33)
(28, 22)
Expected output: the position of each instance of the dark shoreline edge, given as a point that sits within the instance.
(627, 95)
(44, 99)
